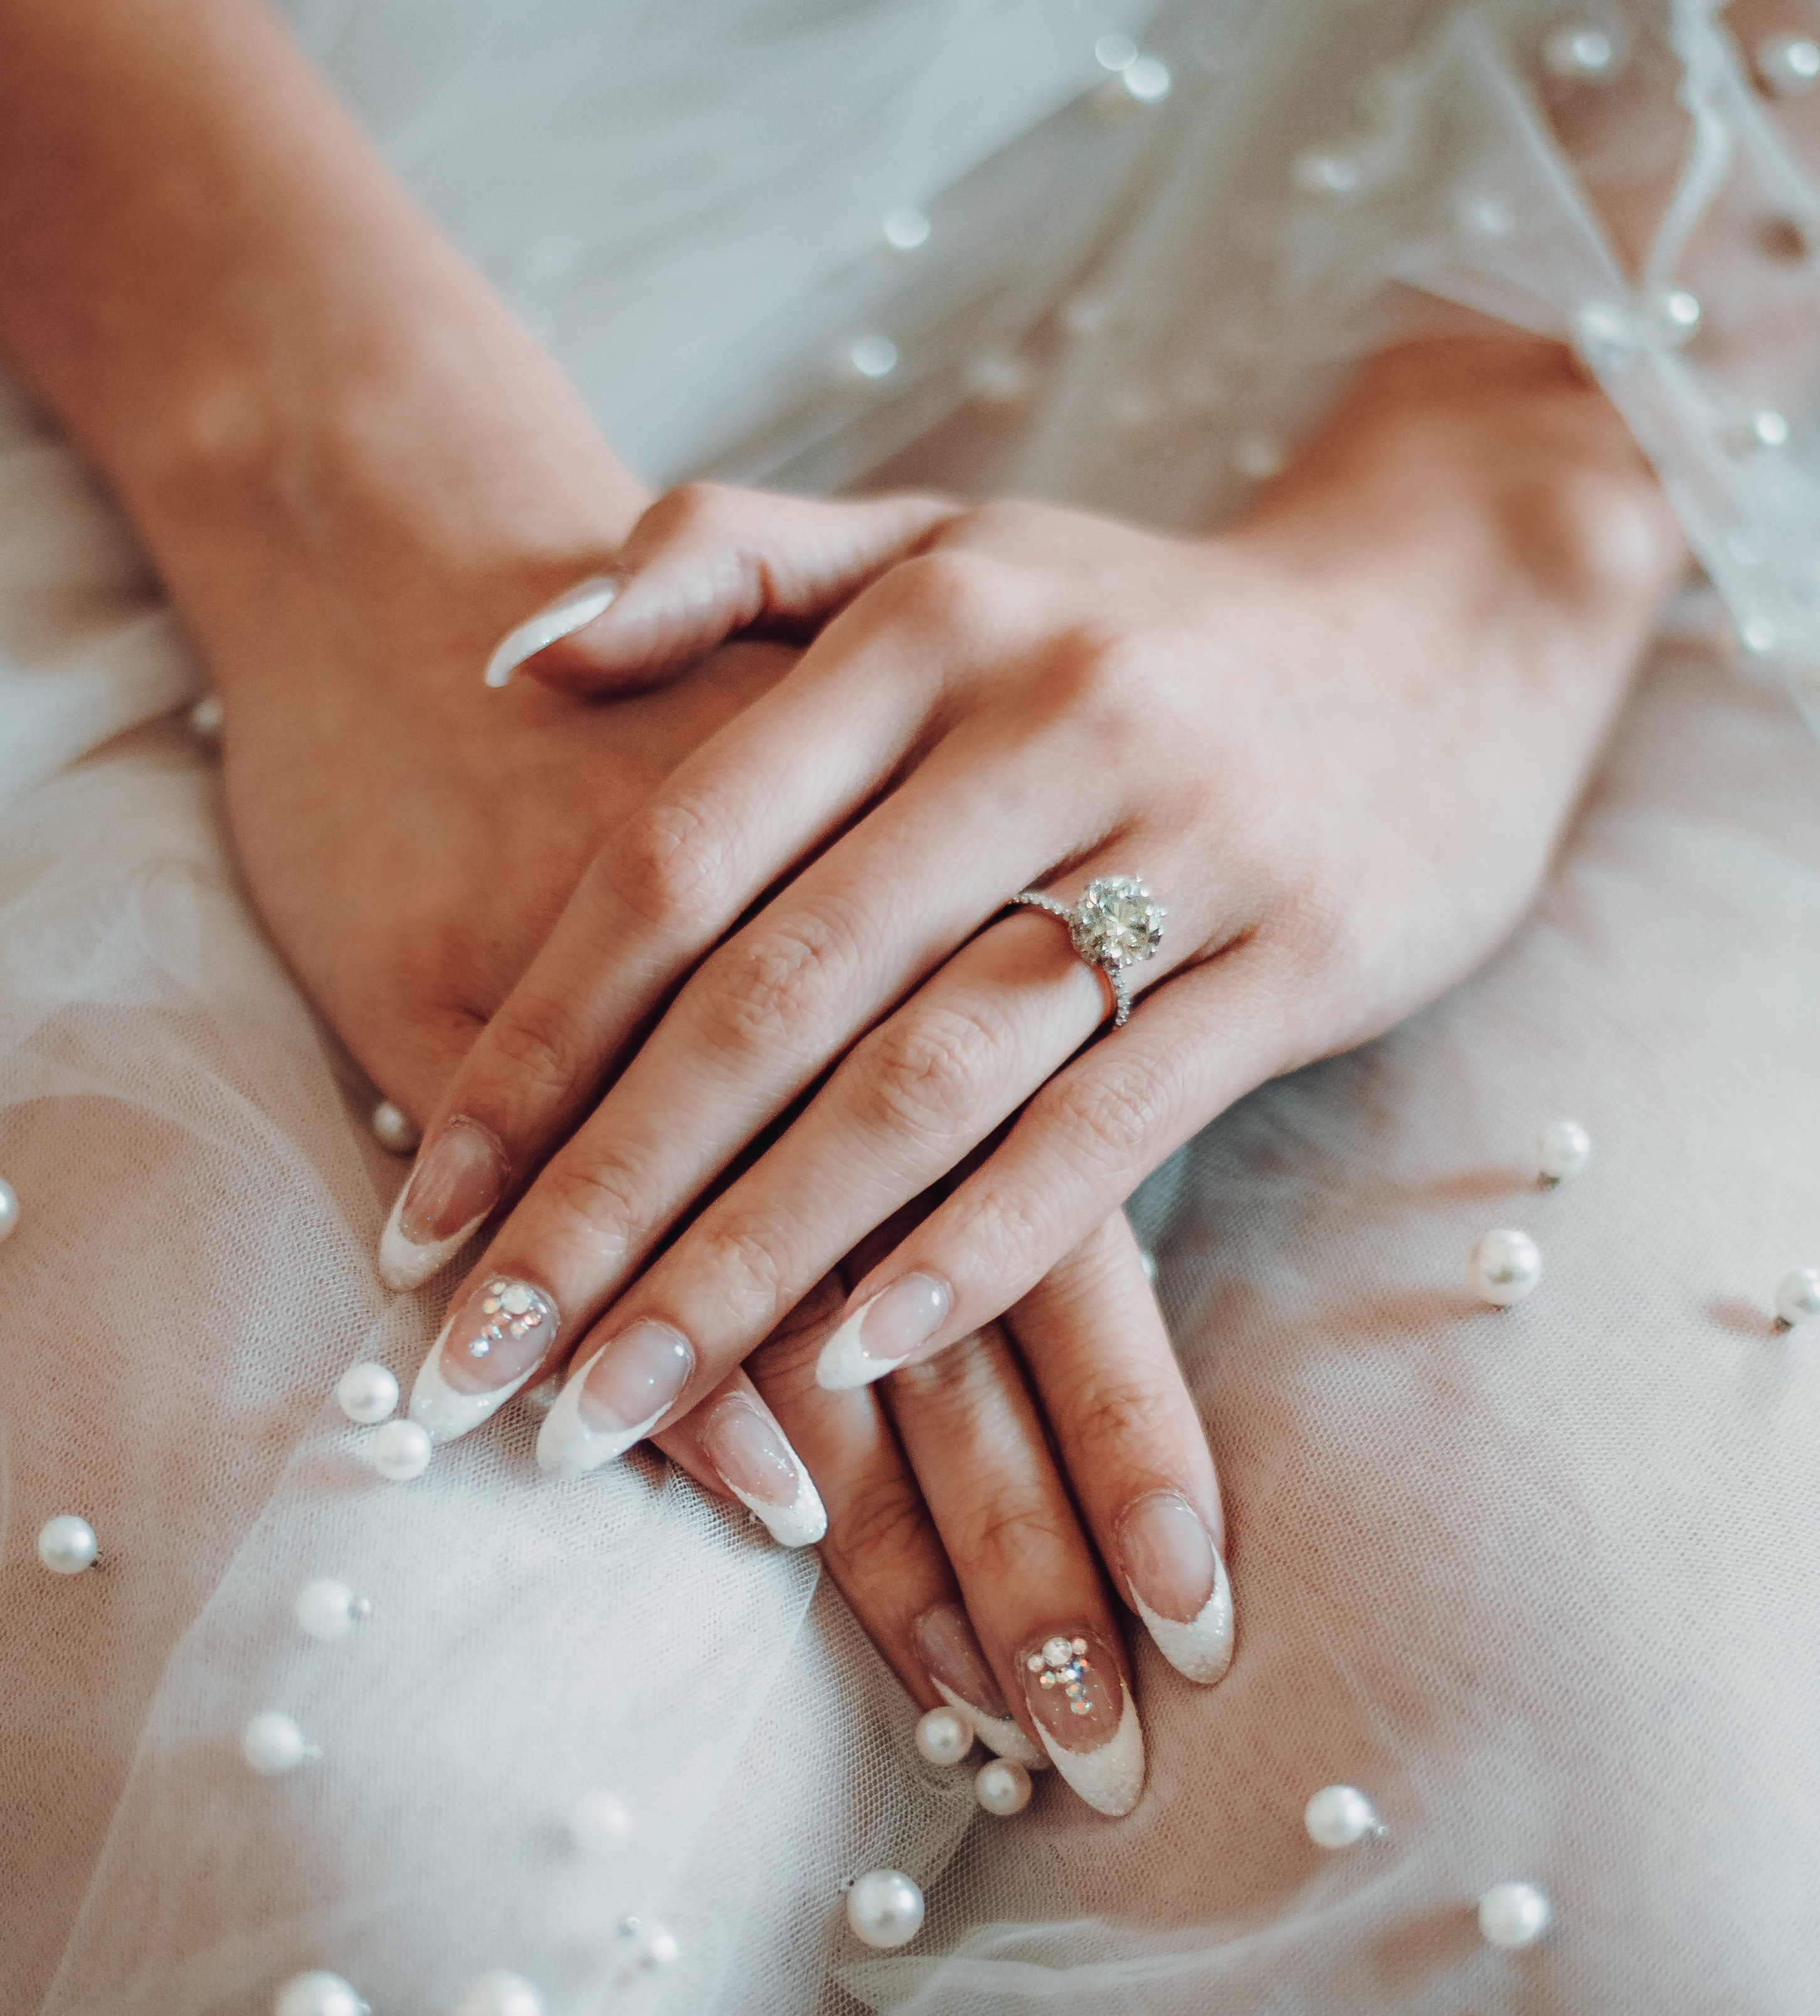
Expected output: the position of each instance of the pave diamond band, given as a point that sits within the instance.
(1117, 924)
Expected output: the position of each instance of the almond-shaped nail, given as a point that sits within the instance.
(615, 1399)
(882, 1333)
(458, 1179)
(1177, 1584)
(495, 1338)
(757, 1465)
(957, 1666)
(1085, 1715)
(562, 617)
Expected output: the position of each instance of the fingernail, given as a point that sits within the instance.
(490, 1344)
(1085, 1715)
(458, 1179)
(1177, 1584)
(615, 1399)
(763, 1472)
(956, 1667)
(561, 618)
(881, 1333)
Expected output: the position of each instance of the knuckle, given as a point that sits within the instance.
(1006, 1537)
(931, 1070)
(581, 1192)
(747, 1261)
(691, 510)
(541, 1047)
(880, 1522)
(1116, 1113)
(773, 985)
(674, 867)
(1115, 1420)
(950, 590)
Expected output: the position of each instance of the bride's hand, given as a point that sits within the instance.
(1339, 743)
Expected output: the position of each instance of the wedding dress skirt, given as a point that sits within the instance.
(1541, 1581)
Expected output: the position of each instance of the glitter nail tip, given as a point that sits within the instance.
(447, 1413)
(1200, 1649)
(801, 1523)
(404, 1265)
(1111, 1778)
(567, 1447)
(1000, 1734)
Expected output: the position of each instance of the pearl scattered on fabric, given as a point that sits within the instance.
(394, 1129)
(319, 1994)
(1115, 52)
(1149, 1261)
(8, 1210)
(1514, 1914)
(1765, 428)
(499, 1992)
(1787, 65)
(67, 1545)
(1563, 1149)
(1506, 1266)
(1675, 314)
(906, 230)
(1797, 1297)
(272, 1743)
(1002, 1786)
(943, 1737)
(873, 356)
(367, 1394)
(1340, 1816)
(206, 718)
(884, 1908)
(600, 1824)
(1148, 80)
(328, 1609)
(1580, 54)
(400, 1451)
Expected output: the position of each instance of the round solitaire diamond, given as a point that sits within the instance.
(1119, 923)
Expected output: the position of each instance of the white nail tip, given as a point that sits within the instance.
(447, 1413)
(1200, 1649)
(562, 618)
(801, 1523)
(1000, 1733)
(1110, 1779)
(843, 1366)
(404, 1265)
(567, 1447)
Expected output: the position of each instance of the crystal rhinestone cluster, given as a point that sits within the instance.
(1117, 924)
(1063, 1663)
(510, 1308)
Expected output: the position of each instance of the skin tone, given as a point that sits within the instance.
(355, 472)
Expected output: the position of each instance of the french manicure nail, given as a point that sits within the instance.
(458, 1179)
(763, 1472)
(1177, 1584)
(956, 1667)
(1085, 1715)
(561, 618)
(882, 1333)
(615, 1399)
(492, 1342)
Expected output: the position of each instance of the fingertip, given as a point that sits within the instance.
(572, 610)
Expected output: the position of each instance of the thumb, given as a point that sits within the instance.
(704, 562)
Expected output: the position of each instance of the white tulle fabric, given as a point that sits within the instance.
(1539, 1580)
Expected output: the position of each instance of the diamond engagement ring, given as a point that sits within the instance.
(1116, 923)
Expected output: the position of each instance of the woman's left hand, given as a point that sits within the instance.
(1339, 742)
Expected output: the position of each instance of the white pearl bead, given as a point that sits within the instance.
(906, 230)
(1563, 1148)
(658, 1947)
(885, 1908)
(394, 1129)
(1797, 1299)
(499, 1992)
(328, 1609)
(319, 1995)
(1506, 1267)
(1789, 65)
(400, 1451)
(873, 356)
(1002, 1786)
(1765, 428)
(600, 1822)
(1115, 52)
(943, 1737)
(1676, 313)
(366, 1393)
(206, 718)
(272, 1743)
(67, 1545)
(1757, 636)
(1149, 1261)
(1514, 1914)
(1147, 79)
(1580, 54)
(1339, 1817)
(8, 1210)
